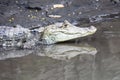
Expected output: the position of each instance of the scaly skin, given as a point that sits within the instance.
(14, 36)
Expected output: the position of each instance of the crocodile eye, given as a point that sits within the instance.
(65, 25)
(14, 26)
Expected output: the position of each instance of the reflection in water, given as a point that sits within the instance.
(66, 51)
(56, 51)
(41, 67)
(13, 53)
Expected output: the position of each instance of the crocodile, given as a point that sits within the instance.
(54, 33)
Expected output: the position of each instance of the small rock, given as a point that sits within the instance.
(28, 15)
(16, 1)
(58, 6)
(54, 16)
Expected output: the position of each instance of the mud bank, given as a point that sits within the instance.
(30, 13)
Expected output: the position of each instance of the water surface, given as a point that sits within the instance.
(101, 62)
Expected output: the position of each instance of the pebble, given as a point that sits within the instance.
(58, 6)
(54, 16)
(10, 20)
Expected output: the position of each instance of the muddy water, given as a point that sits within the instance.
(102, 62)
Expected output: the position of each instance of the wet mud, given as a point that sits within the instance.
(29, 13)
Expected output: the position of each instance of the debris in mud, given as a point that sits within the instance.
(113, 15)
(34, 8)
(104, 17)
(58, 6)
(115, 1)
(55, 16)
(11, 20)
(97, 18)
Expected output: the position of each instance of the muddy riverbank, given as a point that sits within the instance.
(29, 13)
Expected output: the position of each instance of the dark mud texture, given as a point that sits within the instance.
(29, 13)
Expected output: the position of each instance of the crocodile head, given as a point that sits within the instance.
(60, 32)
